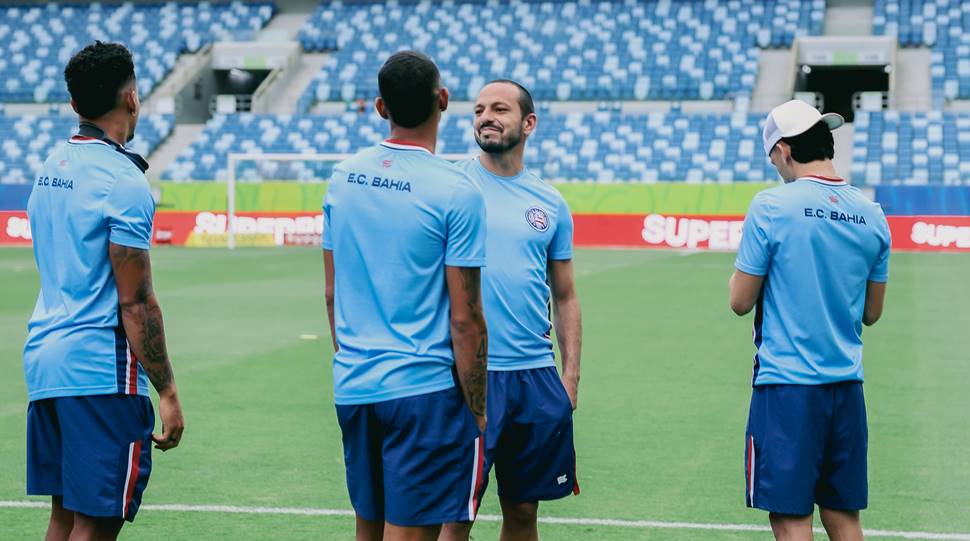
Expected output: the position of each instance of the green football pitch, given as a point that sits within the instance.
(660, 425)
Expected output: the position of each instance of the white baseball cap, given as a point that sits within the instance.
(793, 118)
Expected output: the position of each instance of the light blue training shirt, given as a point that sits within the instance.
(394, 216)
(87, 195)
(529, 225)
(817, 241)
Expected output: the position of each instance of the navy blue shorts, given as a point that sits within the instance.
(806, 445)
(529, 437)
(94, 451)
(415, 461)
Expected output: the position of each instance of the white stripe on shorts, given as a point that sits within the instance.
(471, 493)
(124, 495)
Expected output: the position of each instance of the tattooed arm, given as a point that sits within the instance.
(469, 337)
(142, 320)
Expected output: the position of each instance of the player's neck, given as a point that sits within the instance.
(819, 168)
(506, 164)
(112, 128)
(424, 136)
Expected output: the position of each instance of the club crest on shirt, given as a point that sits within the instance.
(537, 218)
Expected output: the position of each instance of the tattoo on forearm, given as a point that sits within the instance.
(476, 376)
(471, 284)
(143, 317)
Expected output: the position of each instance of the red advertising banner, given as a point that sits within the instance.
(723, 233)
(14, 228)
(931, 233)
(658, 231)
(910, 233)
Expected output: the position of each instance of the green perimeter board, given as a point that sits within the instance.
(583, 197)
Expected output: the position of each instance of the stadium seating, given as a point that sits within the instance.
(601, 146)
(28, 139)
(37, 41)
(574, 50)
(939, 24)
(911, 148)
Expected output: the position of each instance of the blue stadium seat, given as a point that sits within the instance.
(38, 40)
(29, 138)
(605, 145)
(573, 50)
(944, 26)
(893, 147)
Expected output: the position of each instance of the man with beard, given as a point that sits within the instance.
(529, 436)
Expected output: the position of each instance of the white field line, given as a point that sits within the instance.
(614, 523)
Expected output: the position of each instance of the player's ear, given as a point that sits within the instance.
(785, 152)
(443, 99)
(529, 123)
(381, 107)
(74, 106)
(131, 100)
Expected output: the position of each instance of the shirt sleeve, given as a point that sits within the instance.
(561, 247)
(880, 269)
(754, 254)
(465, 221)
(129, 211)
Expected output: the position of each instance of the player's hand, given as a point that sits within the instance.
(572, 390)
(173, 424)
(481, 421)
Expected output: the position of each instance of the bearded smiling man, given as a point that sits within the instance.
(529, 435)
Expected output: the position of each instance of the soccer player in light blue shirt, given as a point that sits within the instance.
(813, 264)
(527, 280)
(404, 241)
(96, 336)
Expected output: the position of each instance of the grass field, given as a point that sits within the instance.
(660, 425)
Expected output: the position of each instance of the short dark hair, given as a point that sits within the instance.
(409, 83)
(96, 74)
(525, 97)
(812, 145)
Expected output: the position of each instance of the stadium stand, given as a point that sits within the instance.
(38, 40)
(28, 139)
(911, 148)
(604, 51)
(612, 50)
(941, 25)
(604, 146)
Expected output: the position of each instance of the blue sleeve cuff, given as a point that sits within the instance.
(130, 241)
(561, 256)
(750, 269)
(465, 261)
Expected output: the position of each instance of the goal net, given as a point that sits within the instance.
(276, 199)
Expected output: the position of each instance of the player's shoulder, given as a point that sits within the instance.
(94, 160)
(98, 153)
(448, 167)
(533, 178)
(363, 157)
(469, 166)
(772, 198)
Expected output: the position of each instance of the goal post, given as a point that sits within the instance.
(233, 177)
